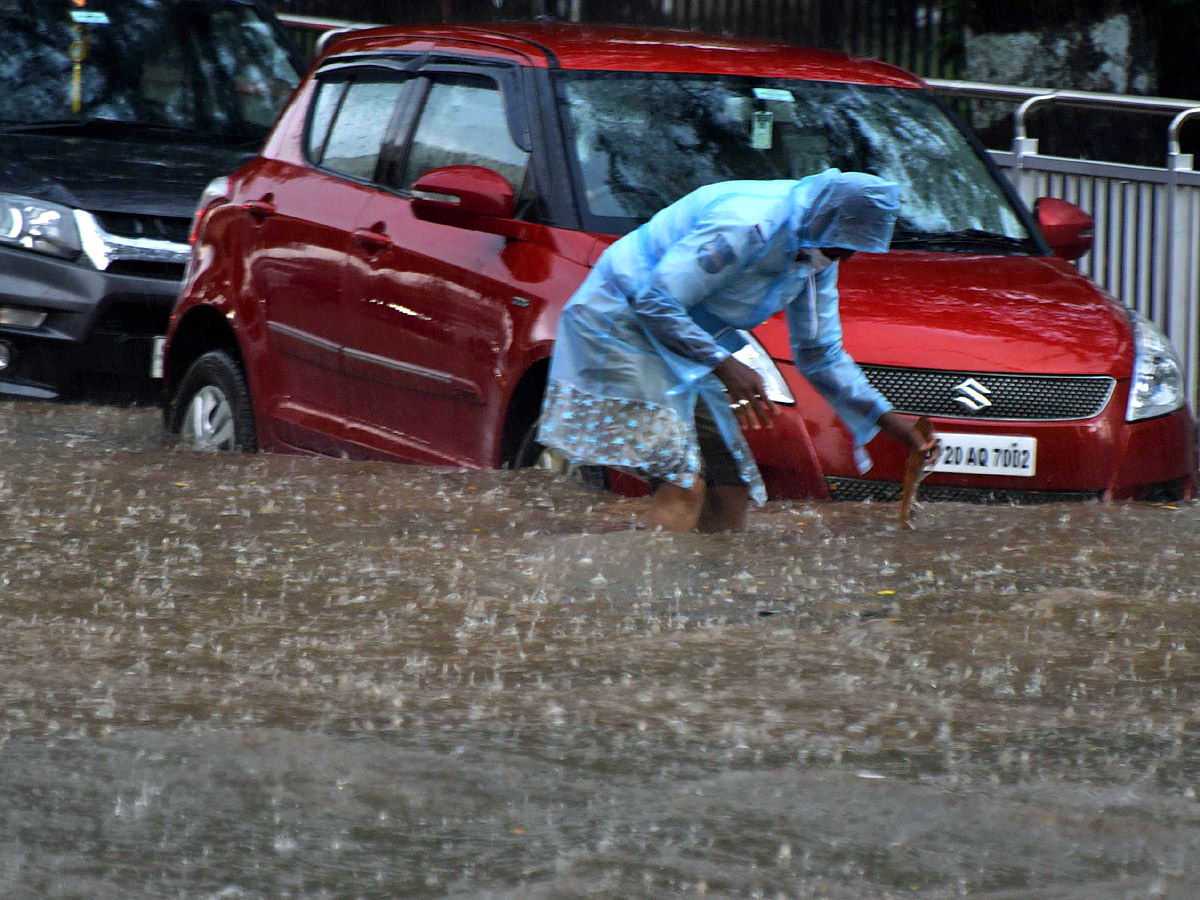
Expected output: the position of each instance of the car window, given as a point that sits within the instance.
(463, 122)
(328, 96)
(359, 125)
(213, 67)
(643, 140)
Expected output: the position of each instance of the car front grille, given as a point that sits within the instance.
(856, 490)
(146, 246)
(983, 395)
(133, 225)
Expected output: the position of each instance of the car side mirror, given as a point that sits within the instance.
(461, 196)
(1069, 231)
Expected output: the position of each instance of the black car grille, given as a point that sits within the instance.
(135, 225)
(982, 395)
(856, 490)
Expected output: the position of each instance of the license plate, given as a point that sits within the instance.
(987, 454)
(156, 357)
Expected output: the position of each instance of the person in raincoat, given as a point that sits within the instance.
(642, 374)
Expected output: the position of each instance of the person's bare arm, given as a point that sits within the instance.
(903, 431)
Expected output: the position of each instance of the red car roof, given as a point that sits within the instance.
(630, 49)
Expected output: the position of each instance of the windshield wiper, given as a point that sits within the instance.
(968, 240)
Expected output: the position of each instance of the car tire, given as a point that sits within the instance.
(532, 454)
(212, 408)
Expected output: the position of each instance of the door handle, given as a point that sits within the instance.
(373, 239)
(260, 209)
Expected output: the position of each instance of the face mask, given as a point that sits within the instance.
(819, 261)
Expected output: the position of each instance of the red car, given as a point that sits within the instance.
(385, 278)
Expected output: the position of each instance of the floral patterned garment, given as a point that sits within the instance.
(647, 439)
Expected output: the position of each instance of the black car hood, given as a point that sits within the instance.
(150, 177)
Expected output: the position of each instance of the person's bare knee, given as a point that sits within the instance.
(676, 508)
(725, 507)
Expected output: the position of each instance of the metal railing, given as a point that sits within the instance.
(1147, 250)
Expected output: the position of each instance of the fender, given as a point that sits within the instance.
(205, 317)
(562, 264)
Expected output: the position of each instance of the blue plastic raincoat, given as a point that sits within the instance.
(638, 342)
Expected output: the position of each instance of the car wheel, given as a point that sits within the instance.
(212, 409)
(532, 454)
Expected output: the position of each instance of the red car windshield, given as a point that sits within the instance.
(643, 140)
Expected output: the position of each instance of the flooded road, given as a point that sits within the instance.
(267, 677)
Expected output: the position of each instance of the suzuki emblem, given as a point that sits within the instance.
(973, 395)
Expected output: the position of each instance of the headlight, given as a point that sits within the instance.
(39, 226)
(754, 356)
(215, 192)
(1157, 387)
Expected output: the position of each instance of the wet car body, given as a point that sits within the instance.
(113, 183)
(406, 309)
(1030, 359)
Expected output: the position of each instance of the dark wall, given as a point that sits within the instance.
(929, 37)
(919, 35)
(902, 31)
(1172, 30)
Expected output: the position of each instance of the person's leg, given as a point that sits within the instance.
(676, 508)
(728, 497)
(725, 507)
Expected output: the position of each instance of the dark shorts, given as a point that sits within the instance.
(717, 465)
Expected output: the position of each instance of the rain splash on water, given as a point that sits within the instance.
(264, 676)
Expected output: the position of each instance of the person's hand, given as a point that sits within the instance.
(747, 394)
(906, 433)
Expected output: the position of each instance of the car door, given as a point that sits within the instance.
(305, 218)
(435, 308)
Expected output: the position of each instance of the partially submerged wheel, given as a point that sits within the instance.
(532, 454)
(212, 409)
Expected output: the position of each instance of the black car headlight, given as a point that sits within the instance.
(39, 225)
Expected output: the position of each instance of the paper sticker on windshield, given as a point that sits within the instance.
(716, 254)
(89, 17)
(778, 94)
(760, 130)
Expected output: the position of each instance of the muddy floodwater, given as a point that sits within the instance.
(278, 677)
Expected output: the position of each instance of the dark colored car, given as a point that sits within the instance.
(385, 278)
(114, 116)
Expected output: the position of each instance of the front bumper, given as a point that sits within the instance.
(100, 325)
(1103, 457)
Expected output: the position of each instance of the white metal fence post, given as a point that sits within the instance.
(1181, 288)
(1024, 146)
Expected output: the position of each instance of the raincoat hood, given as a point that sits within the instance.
(852, 210)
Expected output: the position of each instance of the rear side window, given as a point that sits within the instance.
(350, 120)
(325, 106)
(463, 123)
